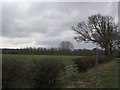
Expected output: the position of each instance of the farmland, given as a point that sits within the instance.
(105, 77)
(27, 58)
(59, 45)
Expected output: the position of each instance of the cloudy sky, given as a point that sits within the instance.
(46, 24)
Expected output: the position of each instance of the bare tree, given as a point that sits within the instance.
(100, 30)
(66, 45)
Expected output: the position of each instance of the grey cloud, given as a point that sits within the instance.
(49, 43)
(0, 24)
(48, 23)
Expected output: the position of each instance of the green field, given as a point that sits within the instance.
(67, 60)
(107, 76)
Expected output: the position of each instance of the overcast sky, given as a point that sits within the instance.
(46, 24)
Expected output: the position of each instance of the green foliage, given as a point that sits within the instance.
(46, 73)
(87, 62)
(10, 72)
(104, 59)
(81, 62)
(109, 79)
(67, 60)
(36, 74)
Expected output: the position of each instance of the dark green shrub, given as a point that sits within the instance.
(86, 62)
(10, 72)
(103, 59)
(83, 64)
(92, 60)
(46, 73)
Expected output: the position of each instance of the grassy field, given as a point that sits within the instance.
(27, 58)
(106, 75)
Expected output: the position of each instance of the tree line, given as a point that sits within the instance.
(52, 51)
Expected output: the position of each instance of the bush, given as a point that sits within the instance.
(36, 74)
(83, 64)
(10, 72)
(104, 59)
(86, 62)
(46, 73)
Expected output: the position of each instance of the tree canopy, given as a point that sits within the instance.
(99, 29)
(66, 45)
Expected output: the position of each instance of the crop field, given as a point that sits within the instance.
(67, 60)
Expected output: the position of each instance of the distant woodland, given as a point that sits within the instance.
(55, 51)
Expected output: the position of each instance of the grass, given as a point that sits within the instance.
(106, 76)
(109, 79)
(67, 60)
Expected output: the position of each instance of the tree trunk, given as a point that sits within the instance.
(110, 50)
(106, 52)
(118, 52)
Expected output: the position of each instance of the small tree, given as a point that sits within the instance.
(100, 30)
(66, 45)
